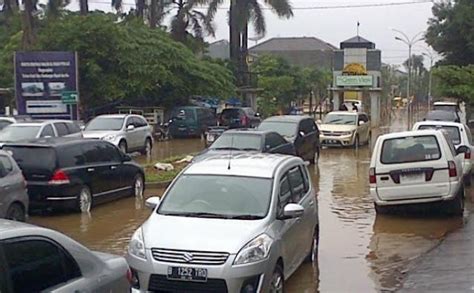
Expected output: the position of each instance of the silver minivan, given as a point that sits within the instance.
(13, 196)
(228, 224)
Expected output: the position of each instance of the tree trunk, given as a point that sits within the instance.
(140, 8)
(243, 55)
(153, 13)
(83, 7)
(234, 34)
(27, 24)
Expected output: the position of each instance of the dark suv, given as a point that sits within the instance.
(239, 118)
(75, 174)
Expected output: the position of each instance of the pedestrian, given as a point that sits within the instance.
(343, 107)
(354, 107)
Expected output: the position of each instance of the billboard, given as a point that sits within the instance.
(41, 78)
(354, 80)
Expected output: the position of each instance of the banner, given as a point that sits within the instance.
(40, 80)
(354, 80)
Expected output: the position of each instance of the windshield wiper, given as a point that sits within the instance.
(226, 149)
(250, 149)
(197, 214)
(245, 217)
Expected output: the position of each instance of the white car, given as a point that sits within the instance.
(342, 128)
(39, 129)
(450, 107)
(129, 132)
(416, 168)
(459, 134)
(228, 224)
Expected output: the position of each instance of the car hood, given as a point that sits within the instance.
(98, 134)
(203, 234)
(335, 127)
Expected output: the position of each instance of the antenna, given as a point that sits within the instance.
(231, 149)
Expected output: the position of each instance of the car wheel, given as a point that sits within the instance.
(313, 253)
(356, 142)
(277, 284)
(16, 213)
(456, 206)
(123, 146)
(147, 148)
(84, 200)
(138, 186)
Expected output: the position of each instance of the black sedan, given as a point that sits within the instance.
(246, 140)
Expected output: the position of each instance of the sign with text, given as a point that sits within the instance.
(43, 80)
(354, 80)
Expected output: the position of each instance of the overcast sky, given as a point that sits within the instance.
(336, 25)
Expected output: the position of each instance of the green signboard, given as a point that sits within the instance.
(354, 80)
(69, 97)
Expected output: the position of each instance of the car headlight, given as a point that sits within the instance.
(347, 133)
(137, 245)
(256, 250)
(109, 137)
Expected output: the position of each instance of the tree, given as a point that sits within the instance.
(187, 17)
(451, 31)
(456, 81)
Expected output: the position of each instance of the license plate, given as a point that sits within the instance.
(413, 178)
(187, 274)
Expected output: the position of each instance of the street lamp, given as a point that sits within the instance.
(431, 56)
(409, 42)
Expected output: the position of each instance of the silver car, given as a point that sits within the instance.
(129, 132)
(228, 224)
(37, 129)
(13, 195)
(36, 259)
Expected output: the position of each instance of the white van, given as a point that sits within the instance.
(459, 134)
(417, 167)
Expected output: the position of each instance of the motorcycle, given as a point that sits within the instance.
(163, 132)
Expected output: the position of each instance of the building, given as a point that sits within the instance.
(218, 50)
(302, 51)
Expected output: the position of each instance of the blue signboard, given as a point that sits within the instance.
(40, 80)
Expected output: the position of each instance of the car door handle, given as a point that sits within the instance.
(90, 169)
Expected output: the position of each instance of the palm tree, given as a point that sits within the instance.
(29, 35)
(158, 9)
(117, 5)
(187, 17)
(53, 8)
(83, 7)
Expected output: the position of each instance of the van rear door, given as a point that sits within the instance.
(412, 167)
(37, 163)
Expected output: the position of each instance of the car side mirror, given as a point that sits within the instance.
(361, 122)
(126, 158)
(301, 133)
(130, 127)
(152, 202)
(292, 210)
(82, 127)
(462, 149)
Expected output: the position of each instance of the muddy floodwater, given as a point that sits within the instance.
(359, 251)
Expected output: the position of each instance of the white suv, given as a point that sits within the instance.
(228, 224)
(417, 167)
(459, 134)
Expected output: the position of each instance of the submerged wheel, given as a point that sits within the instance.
(84, 200)
(138, 186)
(277, 284)
(16, 213)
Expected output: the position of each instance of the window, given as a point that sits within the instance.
(105, 123)
(4, 123)
(285, 129)
(5, 166)
(297, 184)
(364, 118)
(71, 156)
(92, 152)
(451, 132)
(410, 149)
(285, 194)
(109, 153)
(140, 122)
(130, 121)
(273, 140)
(469, 135)
(73, 127)
(47, 131)
(307, 126)
(35, 264)
(61, 128)
(33, 158)
(239, 141)
(340, 119)
(304, 171)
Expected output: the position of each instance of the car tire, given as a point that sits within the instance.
(313, 253)
(84, 200)
(138, 187)
(277, 282)
(467, 180)
(381, 210)
(456, 205)
(123, 146)
(147, 147)
(16, 212)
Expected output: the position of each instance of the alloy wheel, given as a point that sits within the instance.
(15, 213)
(276, 285)
(138, 186)
(85, 200)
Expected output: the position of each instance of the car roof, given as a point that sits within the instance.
(410, 133)
(441, 123)
(248, 131)
(17, 228)
(50, 142)
(39, 122)
(246, 164)
(286, 118)
(445, 103)
(114, 115)
(441, 113)
(346, 113)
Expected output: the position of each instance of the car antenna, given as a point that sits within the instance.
(231, 149)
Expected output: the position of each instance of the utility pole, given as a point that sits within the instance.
(430, 55)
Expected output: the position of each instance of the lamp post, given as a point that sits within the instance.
(409, 42)
(430, 55)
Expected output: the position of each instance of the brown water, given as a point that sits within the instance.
(359, 251)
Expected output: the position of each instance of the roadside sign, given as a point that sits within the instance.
(69, 97)
(354, 80)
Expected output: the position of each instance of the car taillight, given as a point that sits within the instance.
(467, 154)
(372, 176)
(59, 177)
(452, 169)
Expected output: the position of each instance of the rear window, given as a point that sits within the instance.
(452, 108)
(452, 132)
(33, 158)
(410, 149)
(230, 113)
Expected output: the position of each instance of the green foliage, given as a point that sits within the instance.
(456, 81)
(451, 31)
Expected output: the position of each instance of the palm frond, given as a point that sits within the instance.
(281, 7)
(208, 25)
(213, 5)
(257, 17)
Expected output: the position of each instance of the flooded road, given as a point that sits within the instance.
(359, 251)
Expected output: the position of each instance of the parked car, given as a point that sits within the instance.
(36, 129)
(13, 196)
(245, 140)
(450, 107)
(129, 132)
(301, 131)
(5, 121)
(342, 128)
(417, 168)
(76, 174)
(36, 259)
(245, 225)
(459, 134)
(239, 117)
(441, 115)
(191, 121)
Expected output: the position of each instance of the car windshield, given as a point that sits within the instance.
(286, 129)
(105, 123)
(450, 108)
(340, 119)
(229, 197)
(238, 141)
(410, 149)
(17, 132)
(452, 132)
(441, 116)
